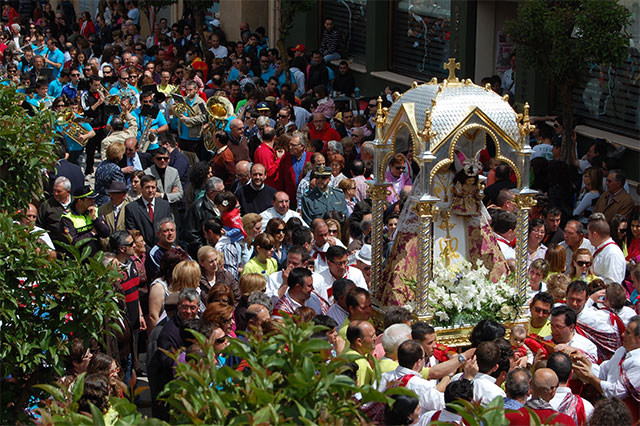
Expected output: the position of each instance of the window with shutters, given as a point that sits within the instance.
(420, 38)
(350, 18)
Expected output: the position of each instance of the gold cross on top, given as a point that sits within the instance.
(452, 66)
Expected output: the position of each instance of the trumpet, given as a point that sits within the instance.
(108, 98)
(180, 106)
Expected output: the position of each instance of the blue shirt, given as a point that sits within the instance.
(71, 144)
(298, 165)
(184, 130)
(55, 88)
(70, 91)
(266, 75)
(158, 122)
(58, 57)
(634, 297)
(42, 51)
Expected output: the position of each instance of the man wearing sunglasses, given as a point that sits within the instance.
(70, 90)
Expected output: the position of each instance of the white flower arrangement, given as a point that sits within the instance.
(463, 295)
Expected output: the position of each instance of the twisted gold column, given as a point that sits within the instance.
(378, 193)
(426, 211)
(524, 202)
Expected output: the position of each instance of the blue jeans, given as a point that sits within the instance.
(331, 57)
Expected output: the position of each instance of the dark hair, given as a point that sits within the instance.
(273, 225)
(147, 178)
(341, 286)
(76, 354)
(323, 321)
(486, 330)
(487, 355)
(198, 173)
(535, 223)
(226, 199)
(222, 137)
(420, 330)
(336, 251)
(168, 262)
(352, 296)
(354, 332)
(504, 221)
(301, 236)
(96, 392)
(502, 172)
(560, 363)
(396, 315)
(610, 412)
(297, 276)
(570, 316)
(458, 389)
(409, 352)
(577, 286)
(506, 353)
(544, 297)
(400, 412)
(214, 225)
(615, 223)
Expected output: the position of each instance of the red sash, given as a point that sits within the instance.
(573, 406)
(602, 248)
(511, 244)
(405, 379)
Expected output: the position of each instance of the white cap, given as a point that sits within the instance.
(215, 22)
(364, 255)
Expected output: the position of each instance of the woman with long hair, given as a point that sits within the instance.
(211, 264)
(159, 288)
(619, 232)
(633, 238)
(581, 265)
(277, 229)
(556, 256)
(589, 194)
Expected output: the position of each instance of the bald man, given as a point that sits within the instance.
(281, 210)
(543, 387)
(238, 142)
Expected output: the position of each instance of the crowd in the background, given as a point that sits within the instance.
(227, 180)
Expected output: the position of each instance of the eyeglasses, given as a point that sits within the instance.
(227, 321)
(130, 244)
(282, 116)
(541, 311)
(279, 231)
(333, 231)
(400, 168)
(75, 75)
(162, 158)
(583, 263)
(220, 340)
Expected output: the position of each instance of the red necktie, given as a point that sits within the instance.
(151, 211)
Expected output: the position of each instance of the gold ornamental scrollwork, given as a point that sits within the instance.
(425, 209)
(378, 192)
(525, 201)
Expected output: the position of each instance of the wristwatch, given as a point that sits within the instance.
(461, 359)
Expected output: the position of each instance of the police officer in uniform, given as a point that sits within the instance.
(81, 221)
(322, 199)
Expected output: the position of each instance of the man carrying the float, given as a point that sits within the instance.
(564, 336)
(603, 328)
(620, 376)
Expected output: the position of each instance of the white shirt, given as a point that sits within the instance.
(271, 212)
(542, 150)
(445, 416)
(583, 344)
(625, 314)
(320, 264)
(484, 388)
(561, 393)
(507, 251)
(430, 398)
(609, 263)
(609, 373)
(585, 244)
(274, 282)
(220, 52)
(327, 280)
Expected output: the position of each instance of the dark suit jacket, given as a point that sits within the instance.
(145, 159)
(71, 171)
(137, 217)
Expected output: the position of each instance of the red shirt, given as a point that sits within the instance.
(327, 134)
(267, 156)
(522, 418)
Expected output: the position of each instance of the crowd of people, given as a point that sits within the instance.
(225, 223)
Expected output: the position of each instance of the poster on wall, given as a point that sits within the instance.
(504, 48)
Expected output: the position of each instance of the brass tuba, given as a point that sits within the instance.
(108, 98)
(220, 109)
(70, 127)
(180, 106)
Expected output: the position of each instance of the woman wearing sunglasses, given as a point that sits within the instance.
(581, 266)
(397, 176)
